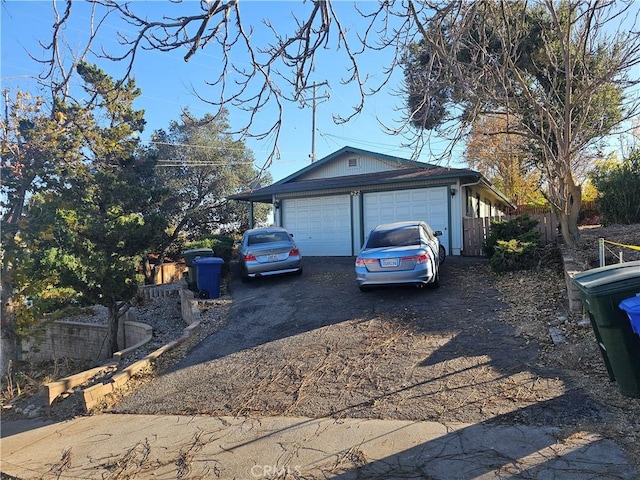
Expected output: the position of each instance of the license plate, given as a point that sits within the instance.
(272, 258)
(389, 262)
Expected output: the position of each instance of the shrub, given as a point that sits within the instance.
(618, 187)
(513, 255)
(222, 246)
(513, 245)
(522, 228)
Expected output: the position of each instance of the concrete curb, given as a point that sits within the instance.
(92, 395)
(55, 389)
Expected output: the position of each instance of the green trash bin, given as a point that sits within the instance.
(189, 257)
(602, 289)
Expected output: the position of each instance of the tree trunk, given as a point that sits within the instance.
(8, 337)
(568, 211)
(113, 327)
(9, 346)
(148, 270)
(8, 341)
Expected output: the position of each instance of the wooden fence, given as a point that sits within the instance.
(475, 230)
(167, 273)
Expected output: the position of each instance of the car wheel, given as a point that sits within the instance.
(442, 254)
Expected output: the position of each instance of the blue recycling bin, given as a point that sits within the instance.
(632, 307)
(208, 276)
(189, 257)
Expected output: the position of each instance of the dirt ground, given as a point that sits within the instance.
(478, 349)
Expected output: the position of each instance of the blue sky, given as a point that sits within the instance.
(168, 83)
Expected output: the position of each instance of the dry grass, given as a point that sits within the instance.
(27, 378)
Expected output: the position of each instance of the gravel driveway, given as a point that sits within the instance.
(314, 345)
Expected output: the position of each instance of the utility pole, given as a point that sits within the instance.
(6, 107)
(313, 118)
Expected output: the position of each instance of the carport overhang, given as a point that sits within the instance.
(253, 198)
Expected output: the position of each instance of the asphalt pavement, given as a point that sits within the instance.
(162, 446)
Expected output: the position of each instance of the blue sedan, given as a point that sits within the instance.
(401, 253)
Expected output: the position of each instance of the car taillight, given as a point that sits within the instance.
(423, 258)
(360, 262)
(249, 258)
(294, 253)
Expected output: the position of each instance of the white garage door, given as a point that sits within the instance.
(427, 204)
(320, 226)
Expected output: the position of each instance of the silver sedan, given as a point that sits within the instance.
(268, 251)
(402, 253)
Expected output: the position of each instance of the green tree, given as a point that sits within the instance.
(552, 70)
(106, 219)
(101, 232)
(200, 166)
(40, 147)
(88, 213)
(618, 186)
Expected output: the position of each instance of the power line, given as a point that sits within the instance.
(198, 163)
(191, 145)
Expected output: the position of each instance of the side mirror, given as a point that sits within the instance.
(291, 235)
(437, 233)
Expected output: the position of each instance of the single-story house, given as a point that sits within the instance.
(330, 205)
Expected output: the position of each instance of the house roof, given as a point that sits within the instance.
(359, 151)
(409, 171)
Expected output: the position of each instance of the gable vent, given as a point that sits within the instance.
(353, 162)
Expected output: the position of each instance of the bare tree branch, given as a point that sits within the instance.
(249, 76)
(259, 78)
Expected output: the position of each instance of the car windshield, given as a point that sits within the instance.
(401, 237)
(267, 237)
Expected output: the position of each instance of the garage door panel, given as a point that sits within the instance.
(321, 226)
(427, 204)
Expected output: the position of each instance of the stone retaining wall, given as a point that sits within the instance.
(571, 269)
(82, 340)
(92, 395)
(157, 291)
(67, 339)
